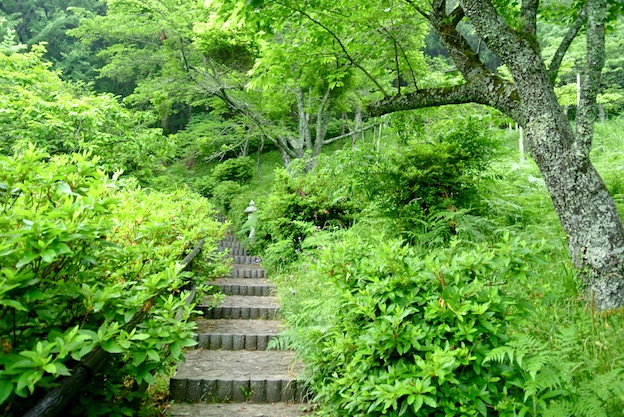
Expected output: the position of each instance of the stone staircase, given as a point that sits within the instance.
(231, 372)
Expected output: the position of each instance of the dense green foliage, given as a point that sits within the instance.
(81, 256)
(38, 107)
(390, 328)
(412, 332)
(422, 269)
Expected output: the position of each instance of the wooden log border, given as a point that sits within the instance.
(56, 399)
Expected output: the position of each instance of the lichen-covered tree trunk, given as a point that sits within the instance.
(584, 206)
(586, 209)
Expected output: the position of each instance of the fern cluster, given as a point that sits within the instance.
(547, 381)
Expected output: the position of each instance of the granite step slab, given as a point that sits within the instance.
(238, 376)
(230, 244)
(244, 286)
(232, 251)
(246, 259)
(239, 410)
(242, 307)
(248, 271)
(236, 334)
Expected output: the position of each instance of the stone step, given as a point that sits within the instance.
(246, 260)
(230, 244)
(229, 238)
(239, 376)
(239, 410)
(244, 286)
(248, 271)
(242, 307)
(233, 251)
(236, 334)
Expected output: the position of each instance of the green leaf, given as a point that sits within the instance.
(48, 255)
(6, 388)
(111, 346)
(61, 369)
(14, 304)
(26, 259)
(418, 403)
(49, 368)
(63, 188)
(153, 355)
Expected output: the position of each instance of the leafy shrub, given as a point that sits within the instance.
(421, 179)
(236, 170)
(411, 332)
(80, 256)
(239, 170)
(301, 204)
(205, 186)
(224, 193)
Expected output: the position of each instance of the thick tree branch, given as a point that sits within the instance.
(528, 13)
(456, 16)
(430, 97)
(466, 60)
(498, 35)
(555, 63)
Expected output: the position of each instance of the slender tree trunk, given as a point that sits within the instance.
(322, 122)
(304, 124)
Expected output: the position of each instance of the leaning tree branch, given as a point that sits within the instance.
(430, 97)
(555, 63)
(460, 51)
(354, 132)
(419, 9)
(456, 16)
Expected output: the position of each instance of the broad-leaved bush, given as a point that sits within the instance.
(90, 263)
(411, 331)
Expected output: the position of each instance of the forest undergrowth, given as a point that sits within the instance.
(430, 276)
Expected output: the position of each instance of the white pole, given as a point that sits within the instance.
(521, 144)
(578, 89)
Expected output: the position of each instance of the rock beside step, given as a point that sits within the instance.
(244, 286)
(238, 410)
(236, 334)
(239, 376)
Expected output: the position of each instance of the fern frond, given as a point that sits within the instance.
(560, 408)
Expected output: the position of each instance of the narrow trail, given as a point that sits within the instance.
(231, 372)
